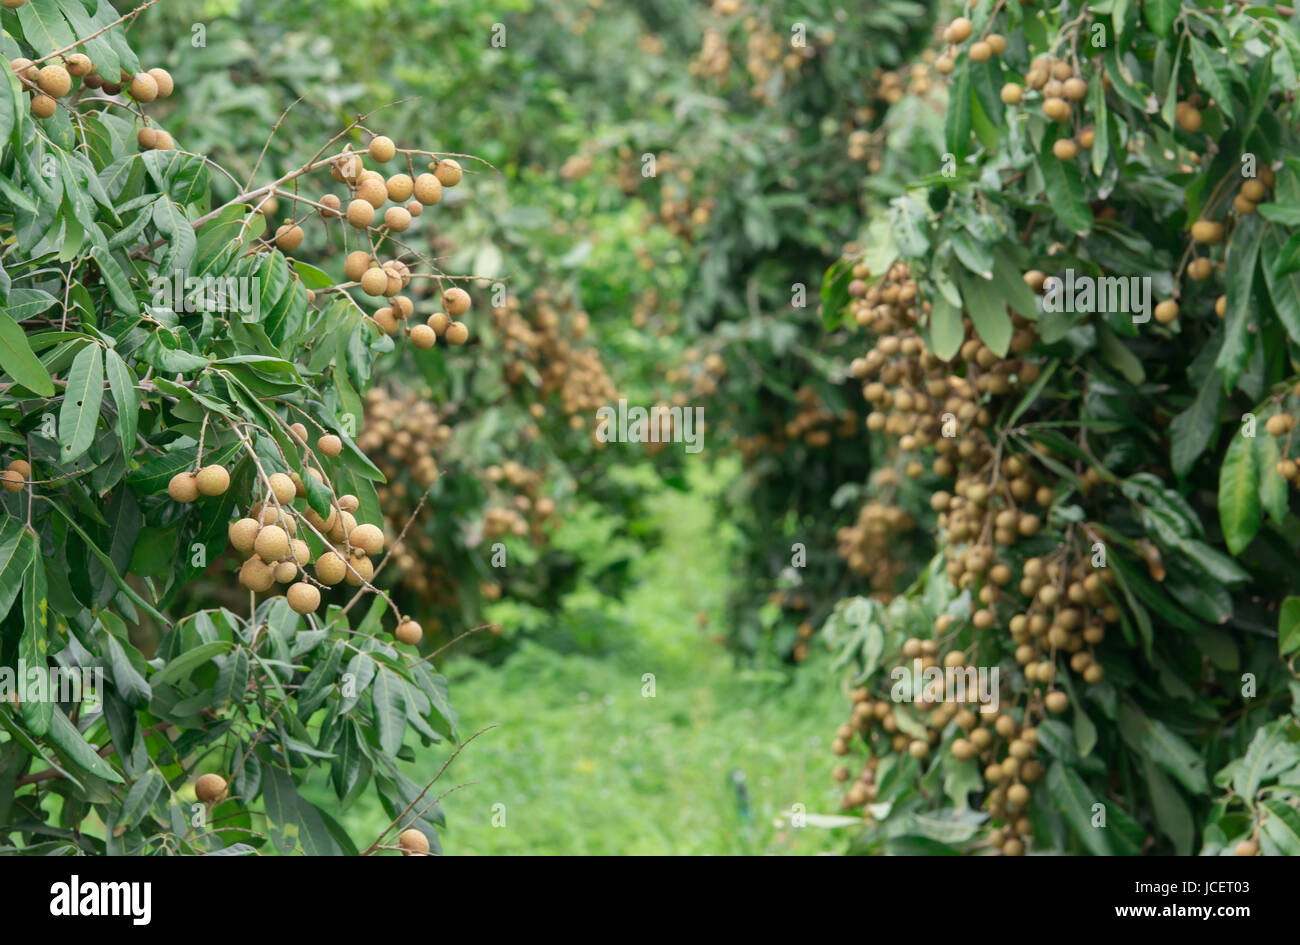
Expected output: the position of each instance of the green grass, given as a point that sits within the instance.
(583, 762)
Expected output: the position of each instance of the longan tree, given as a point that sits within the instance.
(1082, 320)
(181, 394)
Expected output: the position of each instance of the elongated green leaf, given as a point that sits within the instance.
(1160, 15)
(946, 331)
(19, 361)
(1074, 799)
(142, 796)
(988, 311)
(191, 659)
(17, 551)
(82, 398)
(1239, 514)
(33, 645)
(1064, 186)
(74, 747)
(1242, 255)
(390, 710)
(122, 383)
(1288, 627)
(1155, 740)
(1281, 826)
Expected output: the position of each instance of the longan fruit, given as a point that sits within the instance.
(386, 321)
(282, 488)
(403, 307)
(382, 149)
(397, 219)
(212, 480)
(981, 52)
(1188, 117)
(1200, 269)
(143, 87)
(361, 213)
(1242, 205)
(147, 138)
(439, 322)
(1075, 89)
(285, 572)
(183, 488)
(242, 535)
(163, 141)
(374, 281)
(413, 842)
(355, 266)
(448, 173)
(163, 79)
(79, 64)
(272, 543)
(54, 80)
(303, 598)
(997, 43)
(1017, 795)
(360, 571)
(1280, 424)
(1166, 311)
(369, 538)
(288, 237)
(1056, 702)
(1247, 848)
(299, 551)
(256, 575)
(348, 503)
(333, 208)
(43, 106)
(958, 30)
(457, 333)
(400, 187)
(1012, 94)
(1254, 191)
(1221, 306)
(455, 301)
(1065, 149)
(428, 189)
(11, 480)
(373, 192)
(209, 788)
(423, 337)
(1057, 109)
(1013, 846)
(944, 65)
(415, 208)
(962, 750)
(1207, 231)
(410, 632)
(330, 568)
(330, 445)
(112, 88)
(22, 467)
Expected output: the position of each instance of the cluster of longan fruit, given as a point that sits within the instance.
(1282, 426)
(869, 545)
(52, 81)
(16, 475)
(528, 512)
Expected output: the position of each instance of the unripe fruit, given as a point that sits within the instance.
(438, 321)
(413, 842)
(382, 149)
(1207, 231)
(54, 80)
(1166, 311)
(397, 219)
(163, 79)
(428, 189)
(1012, 94)
(303, 598)
(360, 214)
(79, 64)
(356, 265)
(183, 488)
(448, 173)
(1065, 149)
(288, 237)
(374, 281)
(209, 788)
(330, 568)
(212, 480)
(1057, 702)
(369, 538)
(330, 445)
(457, 333)
(143, 87)
(43, 106)
(423, 337)
(256, 575)
(272, 543)
(242, 535)
(409, 632)
(373, 192)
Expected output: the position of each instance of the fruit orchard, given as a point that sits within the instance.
(986, 316)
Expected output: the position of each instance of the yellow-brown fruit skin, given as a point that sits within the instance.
(423, 337)
(54, 80)
(256, 575)
(428, 189)
(243, 534)
(382, 149)
(182, 487)
(210, 788)
(303, 598)
(413, 842)
(288, 237)
(409, 632)
(12, 479)
(163, 79)
(212, 480)
(369, 538)
(457, 333)
(455, 302)
(44, 106)
(272, 544)
(448, 173)
(330, 568)
(330, 445)
(143, 87)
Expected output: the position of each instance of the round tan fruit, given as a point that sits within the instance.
(256, 575)
(355, 266)
(1012, 94)
(282, 488)
(285, 572)
(54, 80)
(183, 488)
(1057, 702)
(272, 544)
(959, 30)
(1075, 89)
(455, 301)
(1254, 191)
(400, 187)
(1280, 424)
(330, 445)
(382, 149)
(374, 282)
(163, 141)
(403, 307)
(415, 208)
(981, 52)
(413, 842)
(13, 480)
(1057, 109)
(409, 632)
(373, 192)
(43, 106)
(457, 333)
(303, 597)
(330, 568)
(422, 336)
(210, 788)
(348, 503)
(1207, 231)
(79, 64)
(163, 79)
(1065, 149)
(369, 538)
(212, 480)
(1166, 311)
(997, 42)
(385, 320)
(243, 534)
(448, 173)
(438, 321)
(288, 237)
(147, 138)
(397, 219)
(299, 551)
(143, 87)
(361, 214)
(1247, 848)
(428, 189)
(360, 571)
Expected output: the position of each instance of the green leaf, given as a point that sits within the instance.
(1270, 752)
(79, 414)
(18, 548)
(1281, 826)
(958, 122)
(1160, 15)
(130, 684)
(191, 659)
(1239, 513)
(19, 361)
(1272, 487)
(1242, 254)
(1283, 287)
(1288, 627)
(946, 330)
(1153, 739)
(1064, 185)
(33, 645)
(121, 382)
(1172, 814)
(390, 710)
(1193, 429)
(1074, 799)
(142, 796)
(988, 311)
(74, 747)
